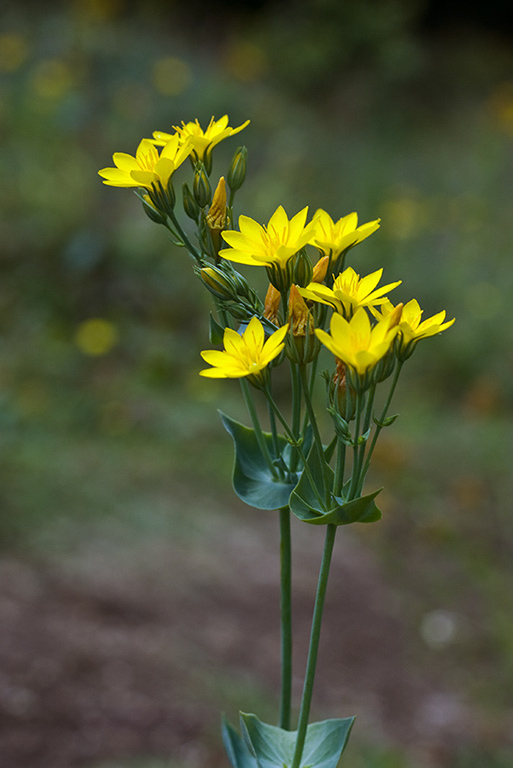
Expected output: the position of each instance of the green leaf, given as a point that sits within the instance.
(307, 507)
(253, 481)
(237, 750)
(386, 422)
(216, 331)
(274, 747)
(305, 497)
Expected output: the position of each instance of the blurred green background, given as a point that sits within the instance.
(134, 590)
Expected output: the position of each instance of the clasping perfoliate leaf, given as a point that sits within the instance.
(317, 507)
(274, 747)
(253, 481)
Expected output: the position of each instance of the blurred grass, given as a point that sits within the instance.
(350, 110)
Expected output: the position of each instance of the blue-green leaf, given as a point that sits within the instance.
(274, 747)
(319, 507)
(360, 510)
(216, 331)
(237, 750)
(253, 481)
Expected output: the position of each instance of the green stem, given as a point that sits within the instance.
(339, 467)
(286, 618)
(297, 444)
(192, 250)
(356, 448)
(306, 699)
(383, 416)
(296, 407)
(316, 433)
(258, 429)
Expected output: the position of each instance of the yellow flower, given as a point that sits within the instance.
(269, 245)
(148, 167)
(202, 140)
(245, 355)
(349, 291)
(334, 237)
(356, 343)
(411, 327)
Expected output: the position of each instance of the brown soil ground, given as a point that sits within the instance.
(134, 651)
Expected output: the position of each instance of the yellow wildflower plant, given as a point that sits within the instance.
(201, 140)
(350, 291)
(332, 237)
(148, 167)
(244, 355)
(359, 345)
(272, 245)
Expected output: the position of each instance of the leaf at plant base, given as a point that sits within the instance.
(237, 750)
(274, 747)
(252, 479)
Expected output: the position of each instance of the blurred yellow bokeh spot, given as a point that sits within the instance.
(13, 52)
(404, 216)
(52, 79)
(501, 106)
(99, 10)
(246, 61)
(96, 336)
(171, 76)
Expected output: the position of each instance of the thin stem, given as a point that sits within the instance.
(296, 408)
(258, 429)
(192, 250)
(356, 452)
(306, 699)
(383, 416)
(315, 428)
(286, 618)
(296, 442)
(339, 467)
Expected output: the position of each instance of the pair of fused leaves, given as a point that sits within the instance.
(267, 746)
(307, 493)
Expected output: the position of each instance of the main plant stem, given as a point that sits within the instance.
(315, 634)
(286, 618)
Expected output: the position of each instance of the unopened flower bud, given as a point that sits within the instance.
(159, 217)
(190, 205)
(201, 186)
(216, 216)
(320, 269)
(217, 282)
(303, 270)
(237, 171)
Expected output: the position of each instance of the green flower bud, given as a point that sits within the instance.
(190, 205)
(201, 186)
(237, 171)
(303, 269)
(217, 282)
(159, 217)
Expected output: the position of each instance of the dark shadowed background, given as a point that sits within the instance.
(138, 596)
